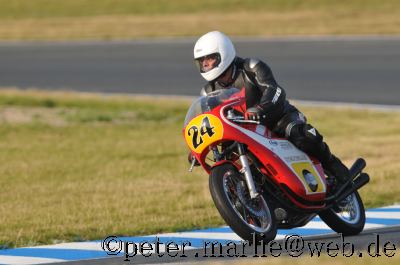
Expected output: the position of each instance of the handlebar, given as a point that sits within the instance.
(239, 118)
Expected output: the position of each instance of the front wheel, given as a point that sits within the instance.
(348, 217)
(247, 217)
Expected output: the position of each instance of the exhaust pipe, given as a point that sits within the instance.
(357, 167)
(355, 170)
(358, 183)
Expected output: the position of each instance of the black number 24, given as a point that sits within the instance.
(205, 128)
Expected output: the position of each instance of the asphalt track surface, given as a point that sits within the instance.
(364, 246)
(341, 69)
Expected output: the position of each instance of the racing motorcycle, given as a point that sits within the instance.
(260, 182)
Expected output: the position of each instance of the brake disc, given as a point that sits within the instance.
(252, 205)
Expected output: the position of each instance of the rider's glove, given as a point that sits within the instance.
(255, 113)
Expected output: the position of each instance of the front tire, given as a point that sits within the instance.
(348, 217)
(247, 217)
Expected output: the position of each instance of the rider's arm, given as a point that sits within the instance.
(273, 97)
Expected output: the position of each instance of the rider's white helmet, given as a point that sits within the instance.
(216, 44)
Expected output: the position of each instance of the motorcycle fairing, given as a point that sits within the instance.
(275, 149)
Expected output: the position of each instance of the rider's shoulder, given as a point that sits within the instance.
(252, 64)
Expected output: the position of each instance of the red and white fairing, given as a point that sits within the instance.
(300, 177)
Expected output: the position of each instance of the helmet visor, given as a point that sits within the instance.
(208, 62)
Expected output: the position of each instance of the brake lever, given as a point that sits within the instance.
(193, 164)
(239, 119)
(246, 121)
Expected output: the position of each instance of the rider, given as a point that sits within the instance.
(216, 59)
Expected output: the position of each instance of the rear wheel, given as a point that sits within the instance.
(348, 217)
(247, 217)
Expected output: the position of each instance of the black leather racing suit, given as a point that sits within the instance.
(283, 118)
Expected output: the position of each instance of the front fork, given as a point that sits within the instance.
(246, 171)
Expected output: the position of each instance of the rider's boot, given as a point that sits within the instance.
(333, 164)
(341, 173)
(337, 169)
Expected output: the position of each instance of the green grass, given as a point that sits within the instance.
(81, 8)
(132, 19)
(81, 167)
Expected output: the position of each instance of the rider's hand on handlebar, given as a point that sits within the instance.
(255, 113)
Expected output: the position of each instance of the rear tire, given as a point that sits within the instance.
(247, 217)
(348, 217)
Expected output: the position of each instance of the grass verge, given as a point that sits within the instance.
(80, 167)
(130, 19)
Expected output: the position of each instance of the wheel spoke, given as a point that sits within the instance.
(350, 212)
(254, 212)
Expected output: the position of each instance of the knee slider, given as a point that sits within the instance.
(305, 137)
(312, 134)
(296, 135)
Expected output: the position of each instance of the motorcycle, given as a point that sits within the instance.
(260, 182)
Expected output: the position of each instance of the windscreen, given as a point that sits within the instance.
(208, 102)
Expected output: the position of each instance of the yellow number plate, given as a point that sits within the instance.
(202, 131)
